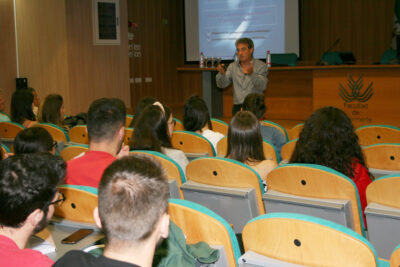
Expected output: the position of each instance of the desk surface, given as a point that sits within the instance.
(295, 68)
(59, 232)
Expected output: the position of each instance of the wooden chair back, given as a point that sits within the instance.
(269, 149)
(5, 114)
(128, 120)
(382, 156)
(307, 241)
(225, 173)
(288, 149)
(5, 149)
(385, 191)
(174, 171)
(79, 203)
(376, 134)
(395, 258)
(311, 180)
(72, 151)
(10, 129)
(128, 135)
(178, 125)
(222, 147)
(190, 142)
(294, 133)
(78, 134)
(219, 126)
(201, 224)
(55, 131)
(277, 126)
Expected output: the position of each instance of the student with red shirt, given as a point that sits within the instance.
(328, 139)
(28, 192)
(106, 130)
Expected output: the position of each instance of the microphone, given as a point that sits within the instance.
(324, 63)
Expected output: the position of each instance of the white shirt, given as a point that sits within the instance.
(213, 137)
(176, 155)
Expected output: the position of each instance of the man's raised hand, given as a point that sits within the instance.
(221, 68)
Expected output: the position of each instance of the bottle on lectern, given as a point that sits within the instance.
(202, 60)
(268, 59)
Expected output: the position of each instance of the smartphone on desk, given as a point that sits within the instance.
(76, 236)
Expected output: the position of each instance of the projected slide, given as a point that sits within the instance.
(221, 22)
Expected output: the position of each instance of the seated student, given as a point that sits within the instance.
(52, 111)
(21, 108)
(106, 130)
(153, 132)
(245, 144)
(133, 204)
(328, 139)
(28, 193)
(255, 103)
(3, 116)
(143, 103)
(196, 118)
(32, 140)
(36, 100)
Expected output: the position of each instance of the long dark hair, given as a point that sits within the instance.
(195, 114)
(151, 130)
(143, 103)
(50, 111)
(21, 106)
(245, 141)
(255, 102)
(328, 139)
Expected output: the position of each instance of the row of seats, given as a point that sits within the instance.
(191, 143)
(381, 159)
(235, 191)
(276, 238)
(368, 135)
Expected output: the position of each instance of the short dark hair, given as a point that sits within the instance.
(246, 41)
(21, 106)
(195, 114)
(32, 140)
(50, 111)
(143, 103)
(151, 131)
(28, 182)
(255, 103)
(105, 117)
(245, 142)
(133, 194)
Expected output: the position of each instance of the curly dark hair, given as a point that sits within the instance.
(28, 182)
(328, 139)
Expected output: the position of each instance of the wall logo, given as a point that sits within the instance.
(355, 91)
